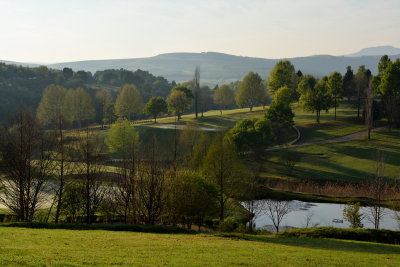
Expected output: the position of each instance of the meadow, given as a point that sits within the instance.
(43, 247)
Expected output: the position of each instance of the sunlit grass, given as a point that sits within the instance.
(40, 247)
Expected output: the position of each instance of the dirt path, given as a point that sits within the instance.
(345, 138)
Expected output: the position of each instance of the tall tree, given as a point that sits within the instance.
(314, 96)
(68, 73)
(223, 97)
(361, 82)
(155, 107)
(205, 99)
(26, 161)
(223, 167)
(280, 111)
(196, 84)
(105, 104)
(250, 90)
(335, 85)
(124, 140)
(348, 84)
(51, 105)
(129, 102)
(178, 102)
(369, 105)
(282, 74)
(389, 88)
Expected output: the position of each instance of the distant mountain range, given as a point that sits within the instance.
(219, 68)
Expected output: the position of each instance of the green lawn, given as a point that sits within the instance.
(345, 161)
(41, 247)
(346, 123)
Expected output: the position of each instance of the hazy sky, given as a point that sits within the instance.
(56, 31)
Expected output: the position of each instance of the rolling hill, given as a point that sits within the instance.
(219, 68)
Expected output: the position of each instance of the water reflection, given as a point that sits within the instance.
(324, 214)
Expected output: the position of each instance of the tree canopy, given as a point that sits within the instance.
(156, 106)
(250, 91)
(223, 96)
(129, 102)
(282, 74)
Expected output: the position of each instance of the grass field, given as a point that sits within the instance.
(346, 161)
(41, 247)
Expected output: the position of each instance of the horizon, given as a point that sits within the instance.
(177, 52)
(47, 32)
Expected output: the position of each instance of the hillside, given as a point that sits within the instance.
(218, 68)
(376, 51)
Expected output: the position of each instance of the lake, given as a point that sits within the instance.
(323, 214)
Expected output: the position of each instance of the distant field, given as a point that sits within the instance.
(40, 247)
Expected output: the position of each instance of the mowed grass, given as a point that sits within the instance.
(43, 247)
(346, 161)
(346, 123)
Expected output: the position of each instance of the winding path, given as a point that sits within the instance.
(349, 137)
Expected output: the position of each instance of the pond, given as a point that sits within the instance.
(324, 214)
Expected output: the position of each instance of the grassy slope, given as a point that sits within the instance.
(34, 247)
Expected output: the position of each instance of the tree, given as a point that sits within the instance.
(389, 88)
(200, 151)
(78, 106)
(223, 96)
(335, 85)
(352, 214)
(377, 189)
(124, 140)
(129, 102)
(51, 105)
(155, 107)
(280, 111)
(369, 106)
(187, 140)
(26, 162)
(90, 151)
(223, 167)
(283, 74)
(178, 102)
(205, 99)
(105, 105)
(277, 210)
(196, 89)
(68, 73)
(252, 135)
(348, 84)
(190, 198)
(250, 90)
(314, 96)
(361, 83)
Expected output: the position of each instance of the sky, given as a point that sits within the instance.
(49, 31)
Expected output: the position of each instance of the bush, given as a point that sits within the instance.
(370, 235)
(228, 225)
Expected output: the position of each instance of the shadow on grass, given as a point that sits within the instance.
(320, 243)
(160, 229)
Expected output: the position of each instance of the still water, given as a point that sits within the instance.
(323, 214)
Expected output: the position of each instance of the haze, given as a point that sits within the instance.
(57, 31)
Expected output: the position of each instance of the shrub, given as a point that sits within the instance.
(228, 225)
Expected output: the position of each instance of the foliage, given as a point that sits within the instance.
(51, 105)
(105, 106)
(252, 134)
(280, 110)
(314, 96)
(129, 102)
(223, 167)
(228, 225)
(155, 107)
(178, 102)
(283, 74)
(351, 213)
(122, 137)
(250, 90)
(335, 85)
(223, 97)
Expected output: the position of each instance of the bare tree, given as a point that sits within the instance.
(277, 210)
(91, 155)
(150, 187)
(26, 162)
(378, 188)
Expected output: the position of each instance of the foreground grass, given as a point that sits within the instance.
(39, 247)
